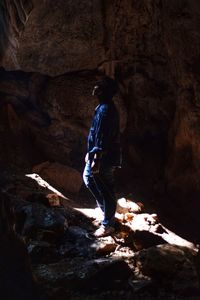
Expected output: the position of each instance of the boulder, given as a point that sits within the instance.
(62, 176)
(77, 242)
(143, 221)
(125, 205)
(16, 277)
(172, 266)
(50, 199)
(38, 217)
(42, 252)
(96, 274)
(104, 246)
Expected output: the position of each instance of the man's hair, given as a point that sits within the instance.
(108, 87)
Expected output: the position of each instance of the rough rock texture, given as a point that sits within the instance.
(60, 175)
(54, 39)
(68, 261)
(13, 17)
(16, 278)
(37, 216)
(97, 274)
(182, 44)
(169, 265)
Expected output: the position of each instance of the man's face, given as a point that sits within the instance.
(97, 91)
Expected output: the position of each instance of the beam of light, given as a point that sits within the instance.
(45, 184)
(93, 213)
(174, 239)
(143, 222)
(150, 223)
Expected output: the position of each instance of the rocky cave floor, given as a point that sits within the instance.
(141, 260)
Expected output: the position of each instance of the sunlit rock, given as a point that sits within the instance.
(104, 245)
(60, 175)
(125, 205)
(143, 221)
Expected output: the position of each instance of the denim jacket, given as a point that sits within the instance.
(104, 134)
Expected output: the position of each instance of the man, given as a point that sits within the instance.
(104, 153)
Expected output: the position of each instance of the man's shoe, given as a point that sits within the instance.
(104, 231)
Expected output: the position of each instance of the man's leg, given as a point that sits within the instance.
(91, 184)
(105, 183)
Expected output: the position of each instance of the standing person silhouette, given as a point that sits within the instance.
(104, 153)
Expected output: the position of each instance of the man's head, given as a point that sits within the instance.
(105, 89)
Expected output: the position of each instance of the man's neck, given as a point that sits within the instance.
(102, 101)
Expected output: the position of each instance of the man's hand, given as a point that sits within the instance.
(95, 166)
(96, 163)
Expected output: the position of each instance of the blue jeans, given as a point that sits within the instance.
(101, 186)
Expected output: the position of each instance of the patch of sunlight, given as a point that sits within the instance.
(95, 213)
(45, 184)
(130, 214)
(150, 223)
(174, 239)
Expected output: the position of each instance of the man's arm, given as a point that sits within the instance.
(102, 132)
(101, 139)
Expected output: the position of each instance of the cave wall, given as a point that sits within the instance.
(181, 38)
(152, 48)
(67, 37)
